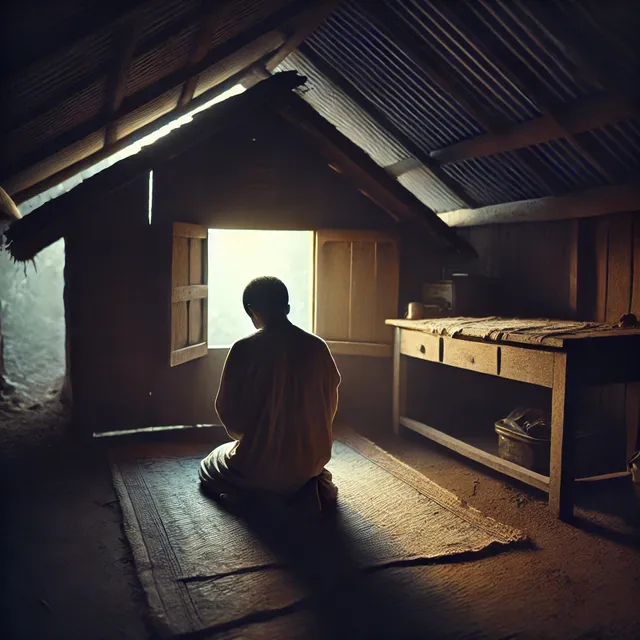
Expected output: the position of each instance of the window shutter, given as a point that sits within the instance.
(188, 293)
(357, 278)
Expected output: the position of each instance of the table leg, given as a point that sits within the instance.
(632, 417)
(562, 468)
(399, 382)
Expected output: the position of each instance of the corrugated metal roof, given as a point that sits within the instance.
(454, 42)
(494, 179)
(618, 145)
(437, 71)
(429, 190)
(349, 119)
(568, 165)
(344, 114)
(509, 33)
(386, 75)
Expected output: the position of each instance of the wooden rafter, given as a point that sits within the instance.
(208, 20)
(448, 12)
(266, 32)
(377, 116)
(580, 204)
(306, 24)
(101, 70)
(247, 77)
(581, 115)
(117, 81)
(386, 21)
(53, 219)
(371, 179)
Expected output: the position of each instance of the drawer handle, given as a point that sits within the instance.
(422, 349)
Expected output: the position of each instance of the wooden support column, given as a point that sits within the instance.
(562, 463)
(632, 417)
(399, 382)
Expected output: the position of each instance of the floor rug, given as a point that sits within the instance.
(206, 570)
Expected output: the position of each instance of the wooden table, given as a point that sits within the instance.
(561, 363)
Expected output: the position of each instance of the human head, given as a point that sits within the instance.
(266, 300)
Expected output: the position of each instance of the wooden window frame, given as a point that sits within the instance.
(187, 293)
(348, 346)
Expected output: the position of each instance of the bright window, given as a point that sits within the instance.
(238, 256)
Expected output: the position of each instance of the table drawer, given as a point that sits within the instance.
(474, 356)
(527, 365)
(420, 345)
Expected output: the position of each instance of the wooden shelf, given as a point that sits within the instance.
(479, 455)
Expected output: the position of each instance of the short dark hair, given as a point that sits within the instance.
(267, 296)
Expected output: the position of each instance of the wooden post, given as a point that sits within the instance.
(399, 381)
(562, 473)
(632, 417)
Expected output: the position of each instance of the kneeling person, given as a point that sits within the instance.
(277, 399)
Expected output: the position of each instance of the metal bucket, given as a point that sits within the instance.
(534, 453)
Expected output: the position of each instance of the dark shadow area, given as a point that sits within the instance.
(67, 571)
(615, 497)
(319, 551)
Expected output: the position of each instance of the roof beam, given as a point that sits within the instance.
(117, 81)
(447, 12)
(306, 24)
(105, 69)
(54, 218)
(247, 77)
(386, 21)
(371, 179)
(198, 51)
(581, 115)
(580, 204)
(377, 116)
(265, 30)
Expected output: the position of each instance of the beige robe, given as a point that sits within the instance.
(278, 397)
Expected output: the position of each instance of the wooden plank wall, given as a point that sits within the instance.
(587, 269)
(616, 247)
(532, 262)
(118, 276)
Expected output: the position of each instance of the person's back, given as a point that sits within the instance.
(277, 397)
(289, 398)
